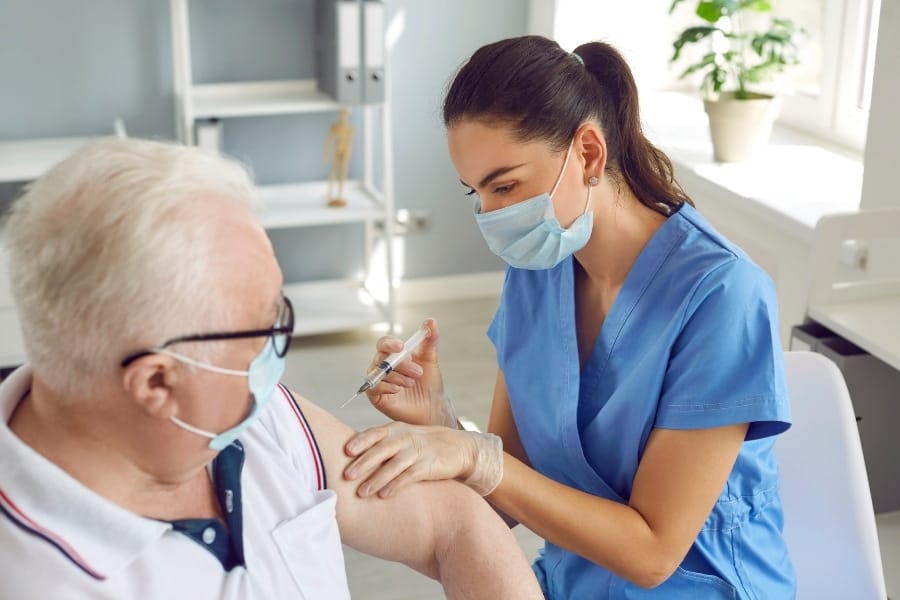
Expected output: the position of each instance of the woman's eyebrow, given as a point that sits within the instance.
(493, 175)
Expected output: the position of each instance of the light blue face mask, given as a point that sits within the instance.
(527, 235)
(263, 376)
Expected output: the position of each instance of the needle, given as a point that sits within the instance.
(381, 370)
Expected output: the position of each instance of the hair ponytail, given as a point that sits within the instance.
(646, 169)
(545, 93)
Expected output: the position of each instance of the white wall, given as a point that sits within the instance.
(880, 189)
(643, 30)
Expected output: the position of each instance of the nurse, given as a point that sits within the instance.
(640, 384)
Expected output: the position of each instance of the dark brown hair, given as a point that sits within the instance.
(544, 93)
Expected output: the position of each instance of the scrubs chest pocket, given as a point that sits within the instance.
(310, 545)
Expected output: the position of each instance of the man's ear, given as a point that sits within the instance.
(149, 381)
(590, 145)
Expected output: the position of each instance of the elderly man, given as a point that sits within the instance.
(147, 449)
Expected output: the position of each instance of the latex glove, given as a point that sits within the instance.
(414, 391)
(391, 456)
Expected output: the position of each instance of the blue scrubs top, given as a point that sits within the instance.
(691, 341)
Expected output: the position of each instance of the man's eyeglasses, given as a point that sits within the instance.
(280, 334)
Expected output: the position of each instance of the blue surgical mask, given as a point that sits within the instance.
(527, 235)
(263, 376)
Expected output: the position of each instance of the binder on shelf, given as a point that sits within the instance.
(373, 51)
(338, 50)
(208, 133)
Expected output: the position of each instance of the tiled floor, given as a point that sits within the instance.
(327, 369)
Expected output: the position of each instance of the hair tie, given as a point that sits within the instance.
(581, 60)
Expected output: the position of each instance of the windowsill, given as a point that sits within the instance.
(795, 181)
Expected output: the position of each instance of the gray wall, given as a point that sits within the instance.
(69, 67)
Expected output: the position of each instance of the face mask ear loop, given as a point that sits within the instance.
(592, 181)
(563, 170)
(587, 205)
(192, 429)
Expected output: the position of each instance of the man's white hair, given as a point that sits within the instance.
(112, 251)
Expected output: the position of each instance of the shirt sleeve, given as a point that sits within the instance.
(726, 366)
(286, 424)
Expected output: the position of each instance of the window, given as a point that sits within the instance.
(829, 93)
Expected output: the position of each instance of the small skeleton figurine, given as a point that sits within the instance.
(337, 150)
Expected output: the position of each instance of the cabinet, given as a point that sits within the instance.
(853, 318)
(322, 305)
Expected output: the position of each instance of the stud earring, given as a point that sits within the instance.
(593, 180)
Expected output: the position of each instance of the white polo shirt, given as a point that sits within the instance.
(58, 539)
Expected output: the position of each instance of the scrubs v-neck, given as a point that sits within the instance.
(690, 342)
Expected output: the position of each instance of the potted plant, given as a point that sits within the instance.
(744, 44)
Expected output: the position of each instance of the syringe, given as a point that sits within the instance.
(381, 370)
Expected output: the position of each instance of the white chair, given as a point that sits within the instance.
(829, 523)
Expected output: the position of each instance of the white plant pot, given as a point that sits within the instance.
(740, 128)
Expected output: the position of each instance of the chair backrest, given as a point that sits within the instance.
(829, 523)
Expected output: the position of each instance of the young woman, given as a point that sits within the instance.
(640, 381)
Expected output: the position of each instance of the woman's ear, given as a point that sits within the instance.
(149, 382)
(591, 147)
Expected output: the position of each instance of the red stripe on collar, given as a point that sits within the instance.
(15, 513)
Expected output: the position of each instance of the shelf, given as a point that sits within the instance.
(24, 160)
(872, 324)
(11, 344)
(305, 204)
(331, 306)
(259, 98)
(6, 299)
(322, 306)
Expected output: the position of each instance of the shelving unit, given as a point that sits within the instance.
(27, 159)
(322, 306)
(21, 161)
(12, 347)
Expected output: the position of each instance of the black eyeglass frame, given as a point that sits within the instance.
(270, 332)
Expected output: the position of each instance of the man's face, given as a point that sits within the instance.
(250, 282)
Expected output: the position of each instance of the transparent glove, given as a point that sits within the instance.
(388, 457)
(414, 391)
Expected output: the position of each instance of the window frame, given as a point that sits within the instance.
(848, 39)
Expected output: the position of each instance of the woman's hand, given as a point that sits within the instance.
(391, 456)
(414, 391)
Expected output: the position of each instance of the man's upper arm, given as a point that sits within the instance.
(440, 528)
(399, 528)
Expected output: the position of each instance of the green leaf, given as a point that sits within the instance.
(755, 5)
(715, 80)
(691, 35)
(751, 56)
(674, 4)
(710, 11)
(706, 62)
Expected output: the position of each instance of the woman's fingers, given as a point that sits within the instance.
(401, 463)
(385, 345)
(411, 475)
(365, 439)
(407, 369)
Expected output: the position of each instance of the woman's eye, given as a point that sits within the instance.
(471, 192)
(504, 189)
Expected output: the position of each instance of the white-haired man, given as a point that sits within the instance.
(147, 450)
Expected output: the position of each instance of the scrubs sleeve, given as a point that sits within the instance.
(726, 366)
